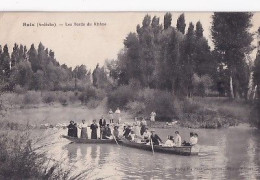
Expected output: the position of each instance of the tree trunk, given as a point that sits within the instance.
(231, 87)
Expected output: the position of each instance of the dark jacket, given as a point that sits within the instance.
(156, 139)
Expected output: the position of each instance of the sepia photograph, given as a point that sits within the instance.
(129, 95)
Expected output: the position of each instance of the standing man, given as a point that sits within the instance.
(117, 115)
(102, 124)
(152, 116)
(111, 118)
(177, 139)
(143, 126)
(94, 128)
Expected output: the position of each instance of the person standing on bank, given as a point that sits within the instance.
(111, 118)
(152, 116)
(117, 115)
(94, 128)
(83, 126)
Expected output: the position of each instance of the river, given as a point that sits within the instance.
(232, 153)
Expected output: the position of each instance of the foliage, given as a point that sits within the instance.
(32, 97)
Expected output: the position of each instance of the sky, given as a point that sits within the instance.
(89, 45)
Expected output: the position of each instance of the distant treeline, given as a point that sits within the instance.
(37, 69)
(179, 59)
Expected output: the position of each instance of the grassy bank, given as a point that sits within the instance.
(55, 107)
(196, 112)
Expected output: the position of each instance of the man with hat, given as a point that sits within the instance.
(155, 138)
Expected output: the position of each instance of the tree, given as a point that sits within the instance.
(199, 30)
(232, 39)
(167, 20)
(181, 23)
(5, 64)
(32, 53)
(15, 56)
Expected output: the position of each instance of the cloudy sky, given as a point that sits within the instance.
(81, 44)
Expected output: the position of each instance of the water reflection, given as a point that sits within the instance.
(224, 154)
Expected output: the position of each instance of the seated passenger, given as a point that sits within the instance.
(146, 135)
(127, 132)
(132, 136)
(107, 132)
(169, 142)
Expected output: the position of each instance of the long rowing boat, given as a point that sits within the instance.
(183, 150)
(90, 141)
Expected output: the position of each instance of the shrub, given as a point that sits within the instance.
(32, 97)
(121, 96)
(136, 108)
(19, 90)
(91, 93)
(49, 97)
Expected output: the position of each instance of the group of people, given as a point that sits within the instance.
(139, 132)
(105, 130)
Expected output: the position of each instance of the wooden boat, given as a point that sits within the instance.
(90, 141)
(183, 150)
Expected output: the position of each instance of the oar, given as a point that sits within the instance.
(152, 145)
(115, 139)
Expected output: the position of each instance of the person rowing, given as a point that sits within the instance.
(116, 132)
(155, 138)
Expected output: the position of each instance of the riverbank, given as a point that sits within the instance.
(52, 108)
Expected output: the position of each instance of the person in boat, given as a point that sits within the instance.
(117, 116)
(138, 123)
(169, 142)
(143, 126)
(196, 138)
(94, 128)
(177, 139)
(155, 138)
(102, 125)
(136, 129)
(132, 136)
(75, 130)
(110, 114)
(70, 129)
(116, 132)
(127, 132)
(146, 135)
(107, 132)
(84, 127)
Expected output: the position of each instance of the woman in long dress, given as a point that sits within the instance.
(117, 116)
(94, 128)
(83, 126)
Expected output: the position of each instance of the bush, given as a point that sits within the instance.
(49, 97)
(121, 96)
(32, 97)
(93, 94)
(19, 90)
(136, 108)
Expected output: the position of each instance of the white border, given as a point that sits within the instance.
(129, 5)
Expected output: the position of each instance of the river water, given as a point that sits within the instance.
(232, 153)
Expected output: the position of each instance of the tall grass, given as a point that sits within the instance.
(19, 159)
